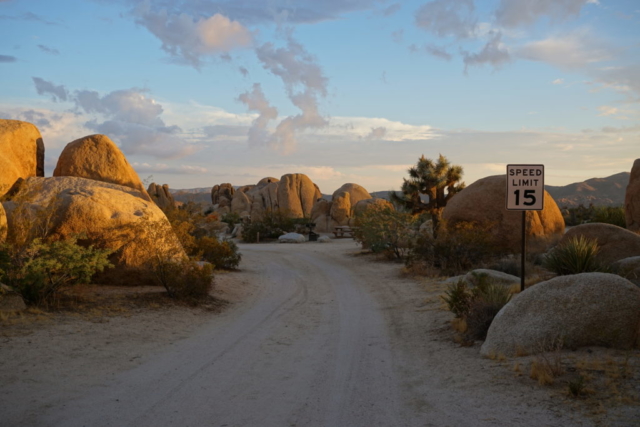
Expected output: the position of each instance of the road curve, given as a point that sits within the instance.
(310, 349)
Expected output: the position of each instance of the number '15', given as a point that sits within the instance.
(528, 195)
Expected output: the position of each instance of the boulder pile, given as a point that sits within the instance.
(95, 195)
(292, 193)
(346, 202)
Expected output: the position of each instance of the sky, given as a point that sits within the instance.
(201, 92)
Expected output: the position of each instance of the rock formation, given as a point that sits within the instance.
(483, 202)
(578, 310)
(161, 195)
(297, 194)
(615, 242)
(97, 157)
(106, 215)
(21, 153)
(632, 199)
(346, 202)
(293, 193)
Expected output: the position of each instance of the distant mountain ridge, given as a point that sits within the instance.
(609, 191)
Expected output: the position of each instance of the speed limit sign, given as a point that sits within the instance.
(525, 187)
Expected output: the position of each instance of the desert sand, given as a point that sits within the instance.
(314, 335)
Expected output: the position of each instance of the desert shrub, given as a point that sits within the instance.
(487, 302)
(458, 298)
(609, 215)
(477, 306)
(576, 255)
(456, 250)
(222, 254)
(41, 270)
(184, 279)
(385, 230)
(274, 224)
(231, 218)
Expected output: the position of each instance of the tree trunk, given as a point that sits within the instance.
(436, 219)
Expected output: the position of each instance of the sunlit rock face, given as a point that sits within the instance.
(97, 157)
(21, 152)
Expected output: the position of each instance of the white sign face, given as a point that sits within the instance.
(525, 187)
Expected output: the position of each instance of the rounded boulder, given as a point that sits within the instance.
(615, 243)
(577, 310)
(483, 202)
(97, 157)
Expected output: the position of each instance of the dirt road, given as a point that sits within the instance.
(326, 338)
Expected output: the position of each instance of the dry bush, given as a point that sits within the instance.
(222, 254)
(184, 279)
(577, 255)
(457, 249)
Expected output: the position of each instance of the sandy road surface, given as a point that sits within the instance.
(326, 339)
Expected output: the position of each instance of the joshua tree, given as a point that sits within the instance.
(439, 180)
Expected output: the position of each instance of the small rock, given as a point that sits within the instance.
(324, 239)
(292, 238)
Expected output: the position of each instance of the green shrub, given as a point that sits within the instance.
(231, 218)
(274, 224)
(457, 249)
(477, 306)
(41, 270)
(222, 254)
(383, 229)
(577, 255)
(610, 215)
(184, 279)
(458, 298)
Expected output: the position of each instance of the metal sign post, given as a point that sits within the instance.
(525, 192)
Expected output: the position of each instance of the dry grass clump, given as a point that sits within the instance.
(577, 255)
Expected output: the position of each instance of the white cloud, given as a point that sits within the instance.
(494, 53)
(574, 50)
(255, 101)
(304, 82)
(167, 169)
(376, 133)
(448, 18)
(514, 13)
(132, 119)
(557, 82)
(606, 110)
(43, 87)
(189, 38)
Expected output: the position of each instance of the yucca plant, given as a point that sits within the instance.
(577, 255)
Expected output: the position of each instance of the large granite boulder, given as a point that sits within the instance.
(161, 195)
(3, 224)
(21, 153)
(240, 202)
(577, 310)
(97, 157)
(297, 194)
(615, 242)
(362, 205)
(483, 202)
(103, 214)
(629, 268)
(356, 193)
(632, 199)
(341, 208)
